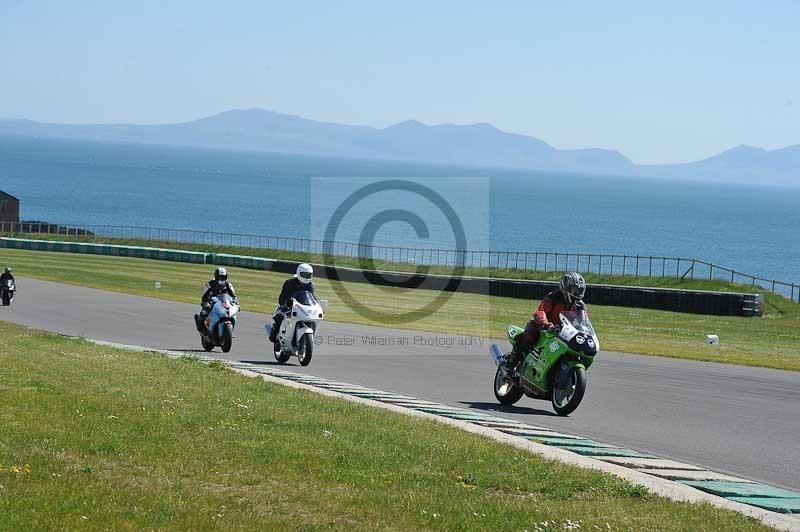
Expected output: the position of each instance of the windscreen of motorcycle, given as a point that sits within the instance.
(304, 297)
(574, 323)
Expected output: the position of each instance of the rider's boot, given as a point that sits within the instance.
(512, 361)
(276, 324)
(522, 345)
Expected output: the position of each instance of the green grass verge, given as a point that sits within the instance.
(101, 439)
(772, 341)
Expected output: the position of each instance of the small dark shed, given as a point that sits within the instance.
(9, 208)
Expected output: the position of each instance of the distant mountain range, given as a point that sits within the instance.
(480, 145)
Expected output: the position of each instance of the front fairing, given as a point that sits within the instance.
(225, 309)
(578, 333)
(311, 312)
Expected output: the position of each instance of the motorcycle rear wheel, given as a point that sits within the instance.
(505, 391)
(208, 345)
(566, 400)
(281, 356)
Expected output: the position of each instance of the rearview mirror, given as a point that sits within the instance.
(323, 303)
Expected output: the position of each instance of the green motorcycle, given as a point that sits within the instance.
(554, 369)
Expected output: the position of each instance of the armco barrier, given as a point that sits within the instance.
(253, 263)
(670, 299)
(174, 255)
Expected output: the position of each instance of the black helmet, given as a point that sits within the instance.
(220, 274)
(573, 287)
(8, 269)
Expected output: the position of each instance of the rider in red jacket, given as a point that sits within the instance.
(568, 296)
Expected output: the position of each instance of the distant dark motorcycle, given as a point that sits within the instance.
(7, 292)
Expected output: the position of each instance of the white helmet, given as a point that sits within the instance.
(304, 273)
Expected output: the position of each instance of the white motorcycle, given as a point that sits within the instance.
(296, 334)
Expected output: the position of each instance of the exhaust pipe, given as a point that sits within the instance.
(497, 354)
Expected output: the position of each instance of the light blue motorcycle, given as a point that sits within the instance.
(220, 323)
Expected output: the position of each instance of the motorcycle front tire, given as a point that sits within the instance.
(306, 349)
(227, 337)
(578, 376)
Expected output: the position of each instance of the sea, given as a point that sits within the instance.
(752, 228)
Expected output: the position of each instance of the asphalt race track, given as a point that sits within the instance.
(737, 420)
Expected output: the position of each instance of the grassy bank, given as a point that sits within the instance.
(100, 439)
(772, 341)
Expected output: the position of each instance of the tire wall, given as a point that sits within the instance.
(675, 300)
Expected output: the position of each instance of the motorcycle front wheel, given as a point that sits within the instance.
(505, 391)
(566, 400)
(227, 337)
(305, 349)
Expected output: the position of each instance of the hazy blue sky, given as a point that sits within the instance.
(662, 83)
